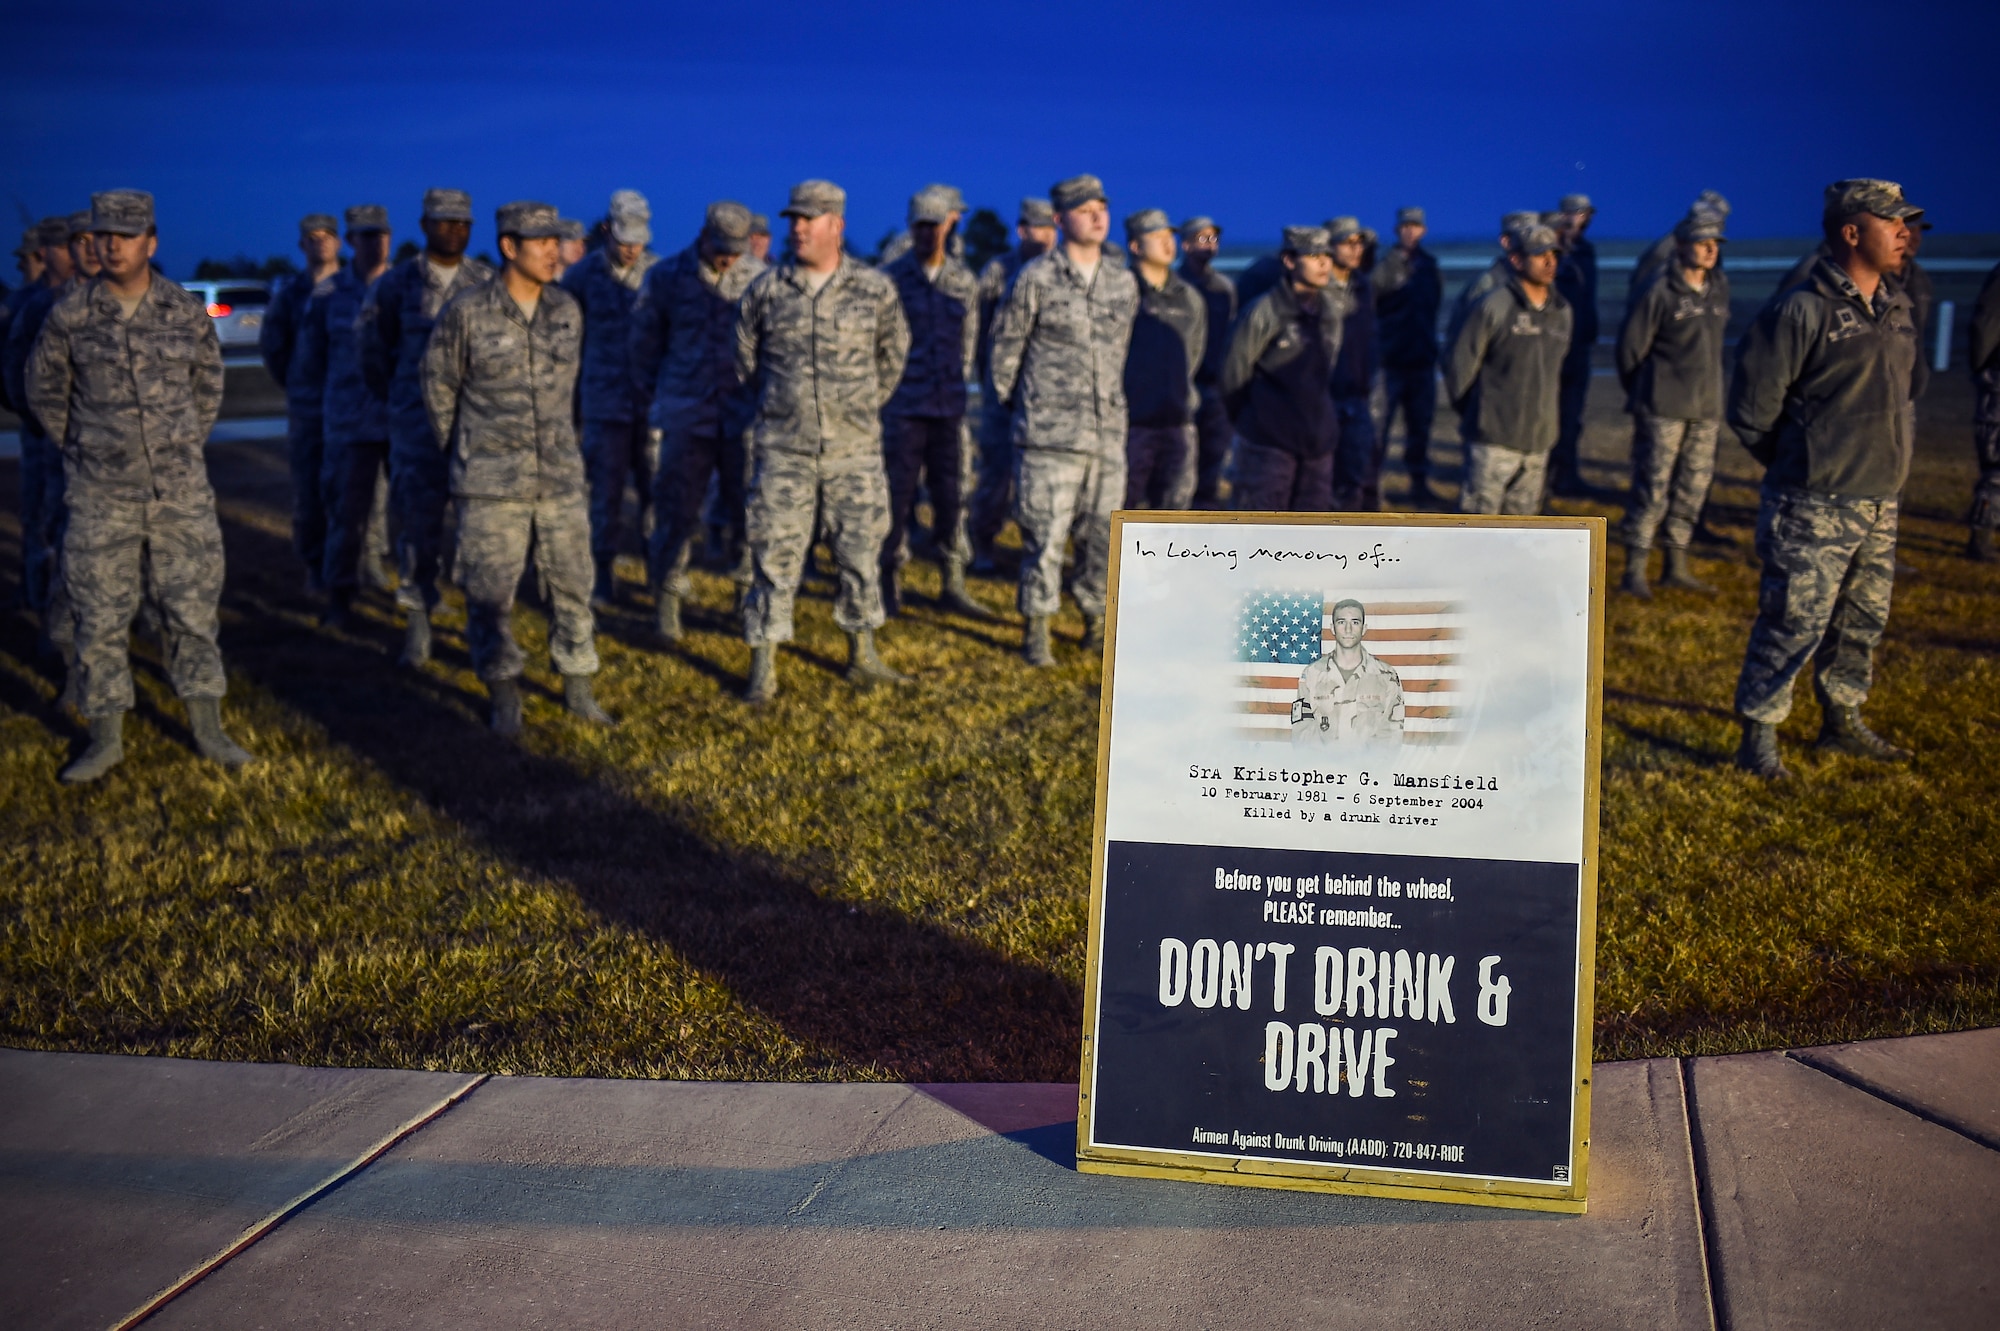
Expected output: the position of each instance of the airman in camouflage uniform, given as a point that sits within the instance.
(953, 200)
(1200, 239)
(395, 327)
(41, 459)
(1670, 360)
(280, 345)
(923, 427)
(1059, 360)
(355, 420)
(127, 377)
(1709, 208)
(499, 383)
(1497, 274)
(822, 339)
(1984, 344)
(618, 446)
(681, 354)
(1348, 697)
(992, 494)
(1820, 396)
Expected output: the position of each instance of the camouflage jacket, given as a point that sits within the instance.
(501, 392)
(281, 341)
(1822, 384)
(1503, 370)
(822, 367)
(682, 344)
(129, 401)
(1670, 347)
(607, 297)
(1059, 353)
(1335, 709)
(330, 338)
(396, 322)
(943, 315)
(996, 283)
(31, 311)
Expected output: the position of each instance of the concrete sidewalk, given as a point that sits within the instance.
(1856, 1185)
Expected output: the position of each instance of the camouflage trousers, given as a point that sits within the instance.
(1057, 495)
(305, 443)
(1829, 566)
(41, 515)
(685, 463)
(1986, 445)
(419, 495)
(852, 504)
(617, 454)
(1413, 391)
(1673, 463)
(1160, 466)
(930, 450)
(1357, 458)
(1263, 479)
(993, 490)
(1213, 434)
(493, 540)
(117, 550)
(1502, 480)
(352, 476)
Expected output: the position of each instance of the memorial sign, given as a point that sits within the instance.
(1344, 881)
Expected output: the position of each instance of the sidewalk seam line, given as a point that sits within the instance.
(256, 1232)
(1846, 1078)
(1704, 1220)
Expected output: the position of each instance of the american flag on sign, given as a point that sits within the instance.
(1416, 631)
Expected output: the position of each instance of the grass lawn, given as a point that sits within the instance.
(893, 885)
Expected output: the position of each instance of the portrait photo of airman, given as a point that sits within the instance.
(1348, 697)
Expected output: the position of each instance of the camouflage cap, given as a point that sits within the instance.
(1343, 227)
(1700, 224)
(1576, 203)
(121, 212)
(447, 205)
(1883, 198)
(1536, 239)
(1199, 223)
(1554, 218)
(1410, 217)
(953, 197)
(52, 231)
(760, 225)
(312, 222)
(571, 229)
(1712, 201)
(631, 218)
(932, 203)
(1370, 236)
(1308, 240)
(1075, 192)
(79, 224)
(726, 227)
(367, 217)
(1035, 211)
(1146, 220)
(527, 220)
(814, 198)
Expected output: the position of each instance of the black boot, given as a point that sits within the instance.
(667, 617)
(205, 720)
(416, 639)
(1758, 754)
(1678, 574)
(865, 667)
(956, 598)
(1634, 583)
(582, 703)
(763, 684)
(604, 591)
(106, 751)
(506, 707)
(1843, 731)
(1035, 642)
(1979, 546)
(1093, 633)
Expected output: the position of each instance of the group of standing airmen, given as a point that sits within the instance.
(810, 398)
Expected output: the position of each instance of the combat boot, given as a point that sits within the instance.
(416, 639)
(205, 720)
(1634, 583)
(956, 598)
(667, 617)
(1093, 633)
(1035, 642)
(604, 591)
(1979, 547)
(1758, 754)
(506, 695)
(865, 667)
(106, 751)
(763, 675)
(582, 703)
(1678, 574)
(892, 592)
(1843, 731)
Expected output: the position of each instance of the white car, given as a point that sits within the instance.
(236, 305)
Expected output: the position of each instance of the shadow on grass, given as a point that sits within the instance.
(858, 983)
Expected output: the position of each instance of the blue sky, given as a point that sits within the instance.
(240, 117)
